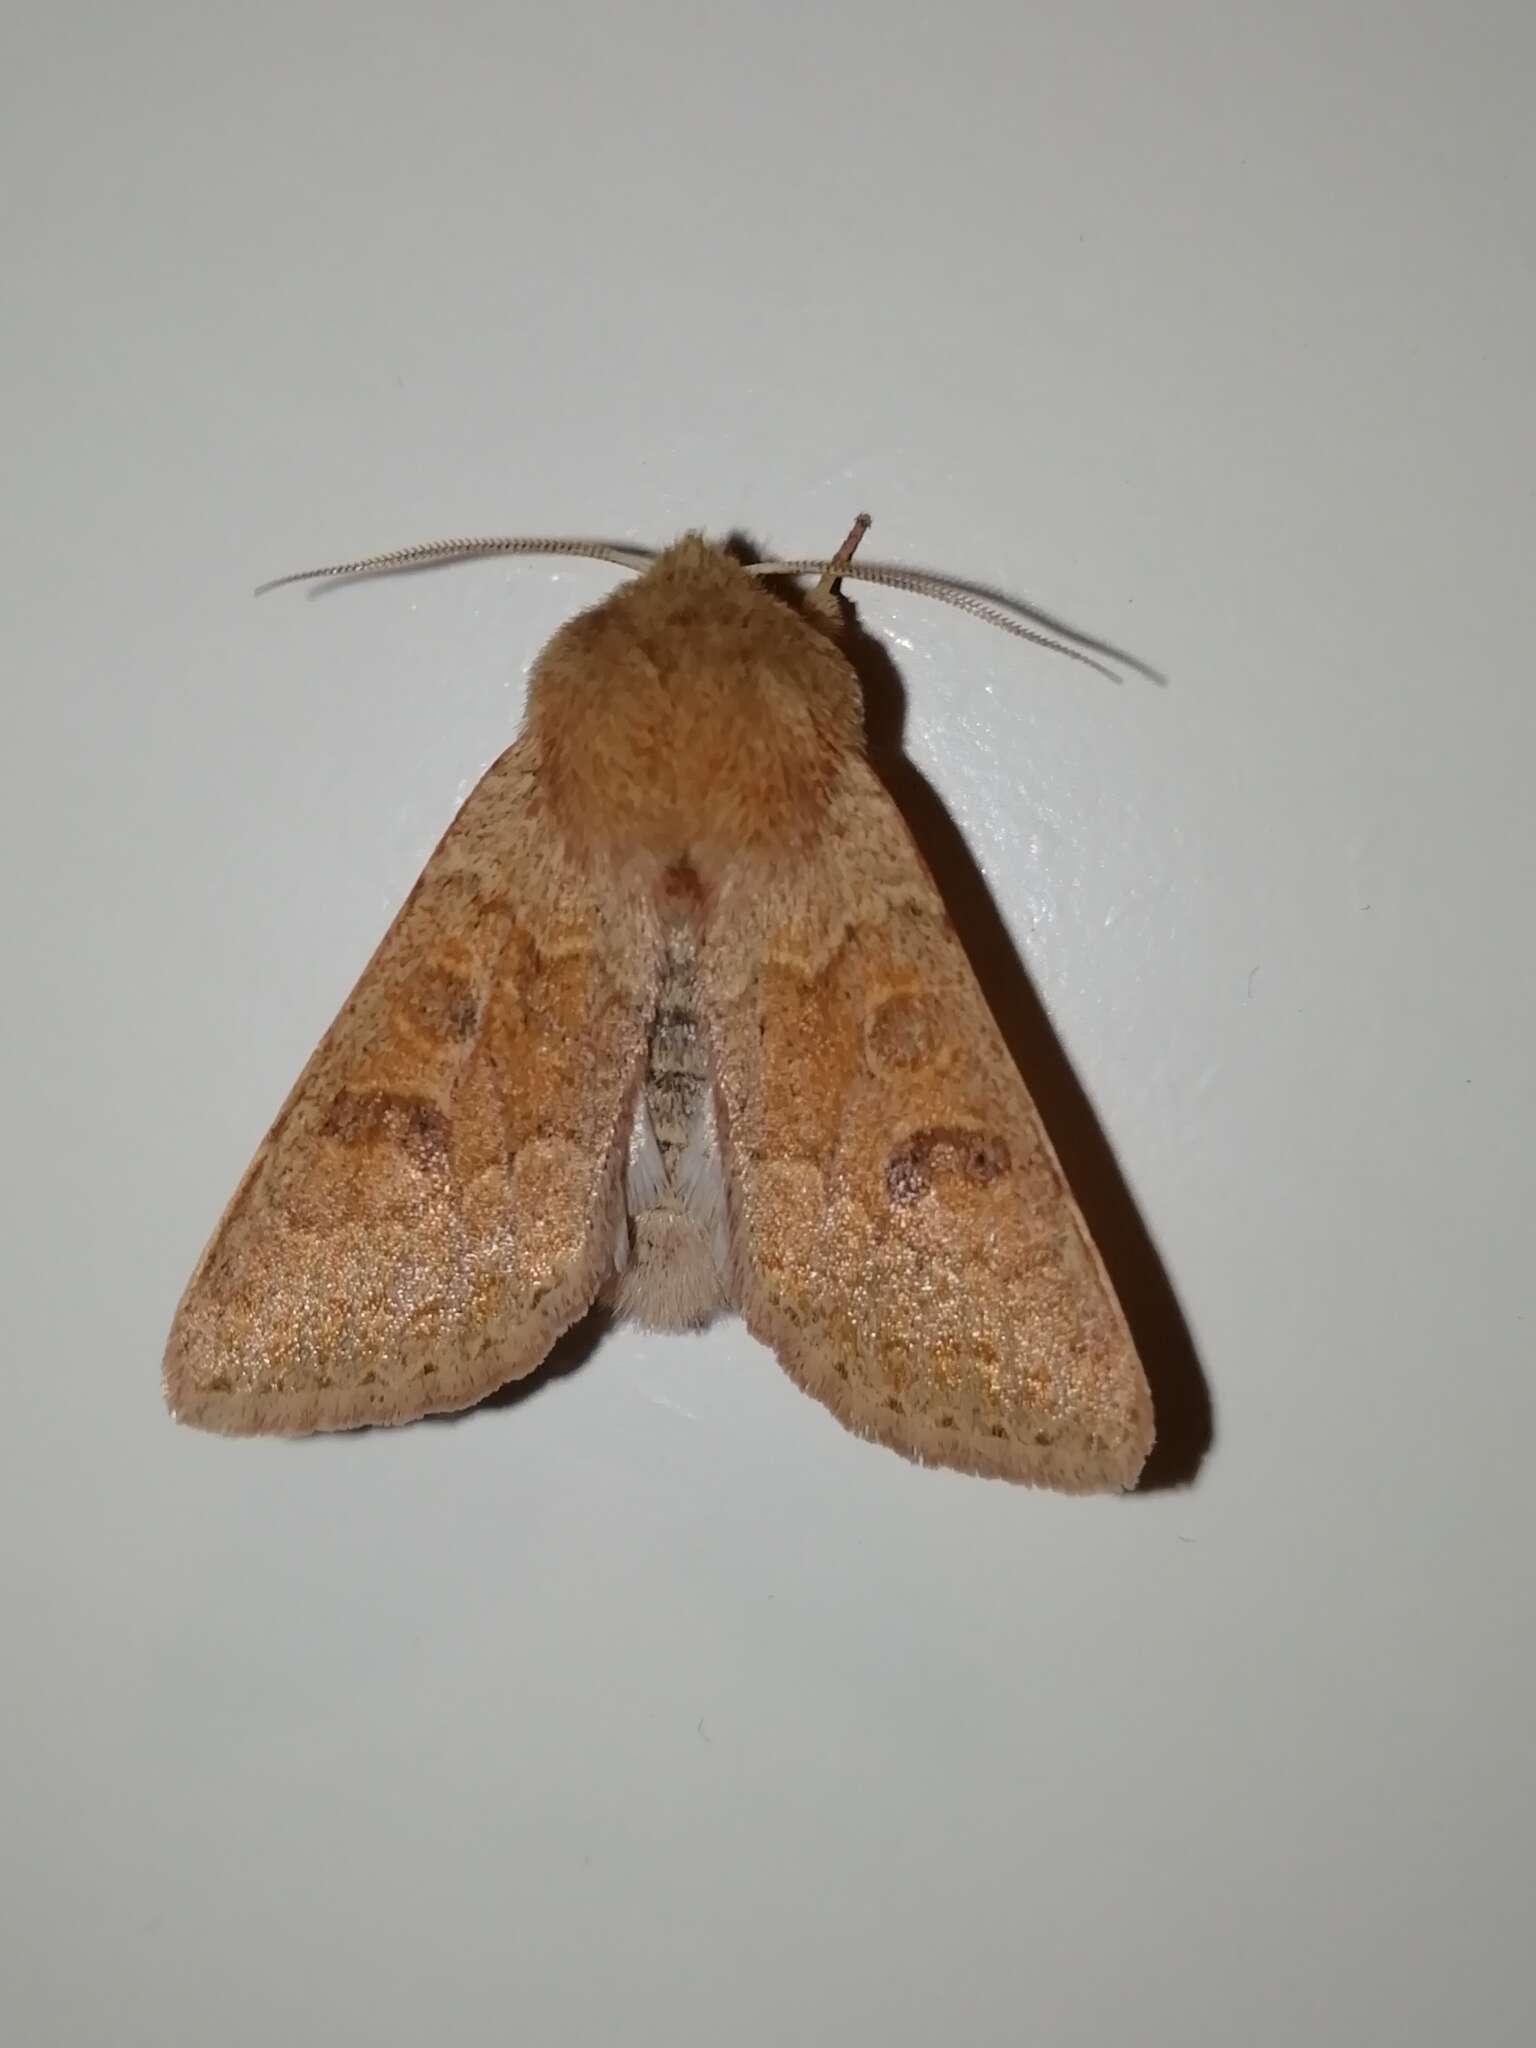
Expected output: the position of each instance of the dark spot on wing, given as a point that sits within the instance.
(979, 1157)
(417, 1127)
(906, 1174)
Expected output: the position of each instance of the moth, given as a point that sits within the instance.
(674, 1019)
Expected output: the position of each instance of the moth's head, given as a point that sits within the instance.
(696, 576)
(731, 564)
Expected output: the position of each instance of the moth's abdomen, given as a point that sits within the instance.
(672, 1248)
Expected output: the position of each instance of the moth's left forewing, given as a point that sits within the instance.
(904, 1236)
(438, 1198)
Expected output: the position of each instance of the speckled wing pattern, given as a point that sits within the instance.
(905, 1239)
(438, 1198)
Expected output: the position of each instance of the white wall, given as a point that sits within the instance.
(654, 1708)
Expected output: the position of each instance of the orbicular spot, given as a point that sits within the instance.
(380, 1117)
(979, 1157)
(902, 1033)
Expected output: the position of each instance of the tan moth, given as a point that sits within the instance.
(674, 1019)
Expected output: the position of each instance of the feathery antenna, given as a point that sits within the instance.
(831, 571)
(464, 551)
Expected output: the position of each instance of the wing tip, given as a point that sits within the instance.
(1067, 1466)
(1107, 1456)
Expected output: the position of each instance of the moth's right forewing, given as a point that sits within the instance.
(437, 1199)
(904, 1235)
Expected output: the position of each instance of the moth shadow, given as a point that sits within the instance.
(569, 1353)
(1181, 1397)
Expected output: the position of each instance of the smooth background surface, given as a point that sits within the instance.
(653, 1707)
